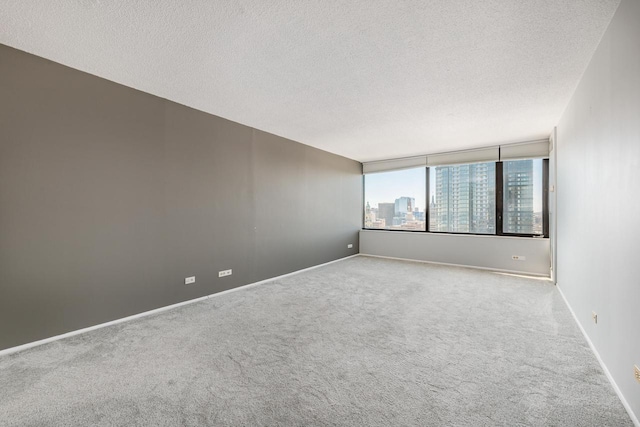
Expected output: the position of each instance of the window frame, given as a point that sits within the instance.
(499, 206)
(426, 209)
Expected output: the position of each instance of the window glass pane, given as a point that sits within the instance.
(395, 200)
(522, 197)
(463, 198)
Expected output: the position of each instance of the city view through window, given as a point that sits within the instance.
(462, 198)
(523, 197)
(396, 200)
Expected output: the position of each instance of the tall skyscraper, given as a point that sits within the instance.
(404, 205)
(465, 199)
(433, 215)
(518, 197)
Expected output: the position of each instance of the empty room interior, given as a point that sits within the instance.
(364, 213)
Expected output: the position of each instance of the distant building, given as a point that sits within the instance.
(386, 211)
(518, 198)
(433, 216)
(404, 205)
(379, 223)
(368, 216)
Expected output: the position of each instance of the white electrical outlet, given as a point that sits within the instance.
(225, 273)
(190, 280)
(518, 258)
(350, 245)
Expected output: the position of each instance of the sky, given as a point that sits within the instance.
(386, 187)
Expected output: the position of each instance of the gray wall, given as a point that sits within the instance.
(110, 197)
(599, 200)
(490, 252)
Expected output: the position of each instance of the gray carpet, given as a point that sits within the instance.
(366, 342)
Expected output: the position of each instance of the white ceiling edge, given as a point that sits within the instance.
(365, 80)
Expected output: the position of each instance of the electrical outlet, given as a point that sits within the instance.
(224, 273)
(349, 246)
(518, 258)
(636, 372)
(190, 280)
(594, 316)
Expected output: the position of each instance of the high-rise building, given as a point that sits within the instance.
(404, 205)
(386, 211)
(465, 199)
(518, 197)
(433, 216)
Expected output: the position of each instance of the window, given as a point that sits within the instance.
(395, 200)
(498, 190)
(523, 197)
(463, 198)
(502, 197)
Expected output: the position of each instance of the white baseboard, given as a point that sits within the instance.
(158, 310)
(520, 273)
(633, 416)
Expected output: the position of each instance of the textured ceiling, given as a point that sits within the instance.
(366, 79)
